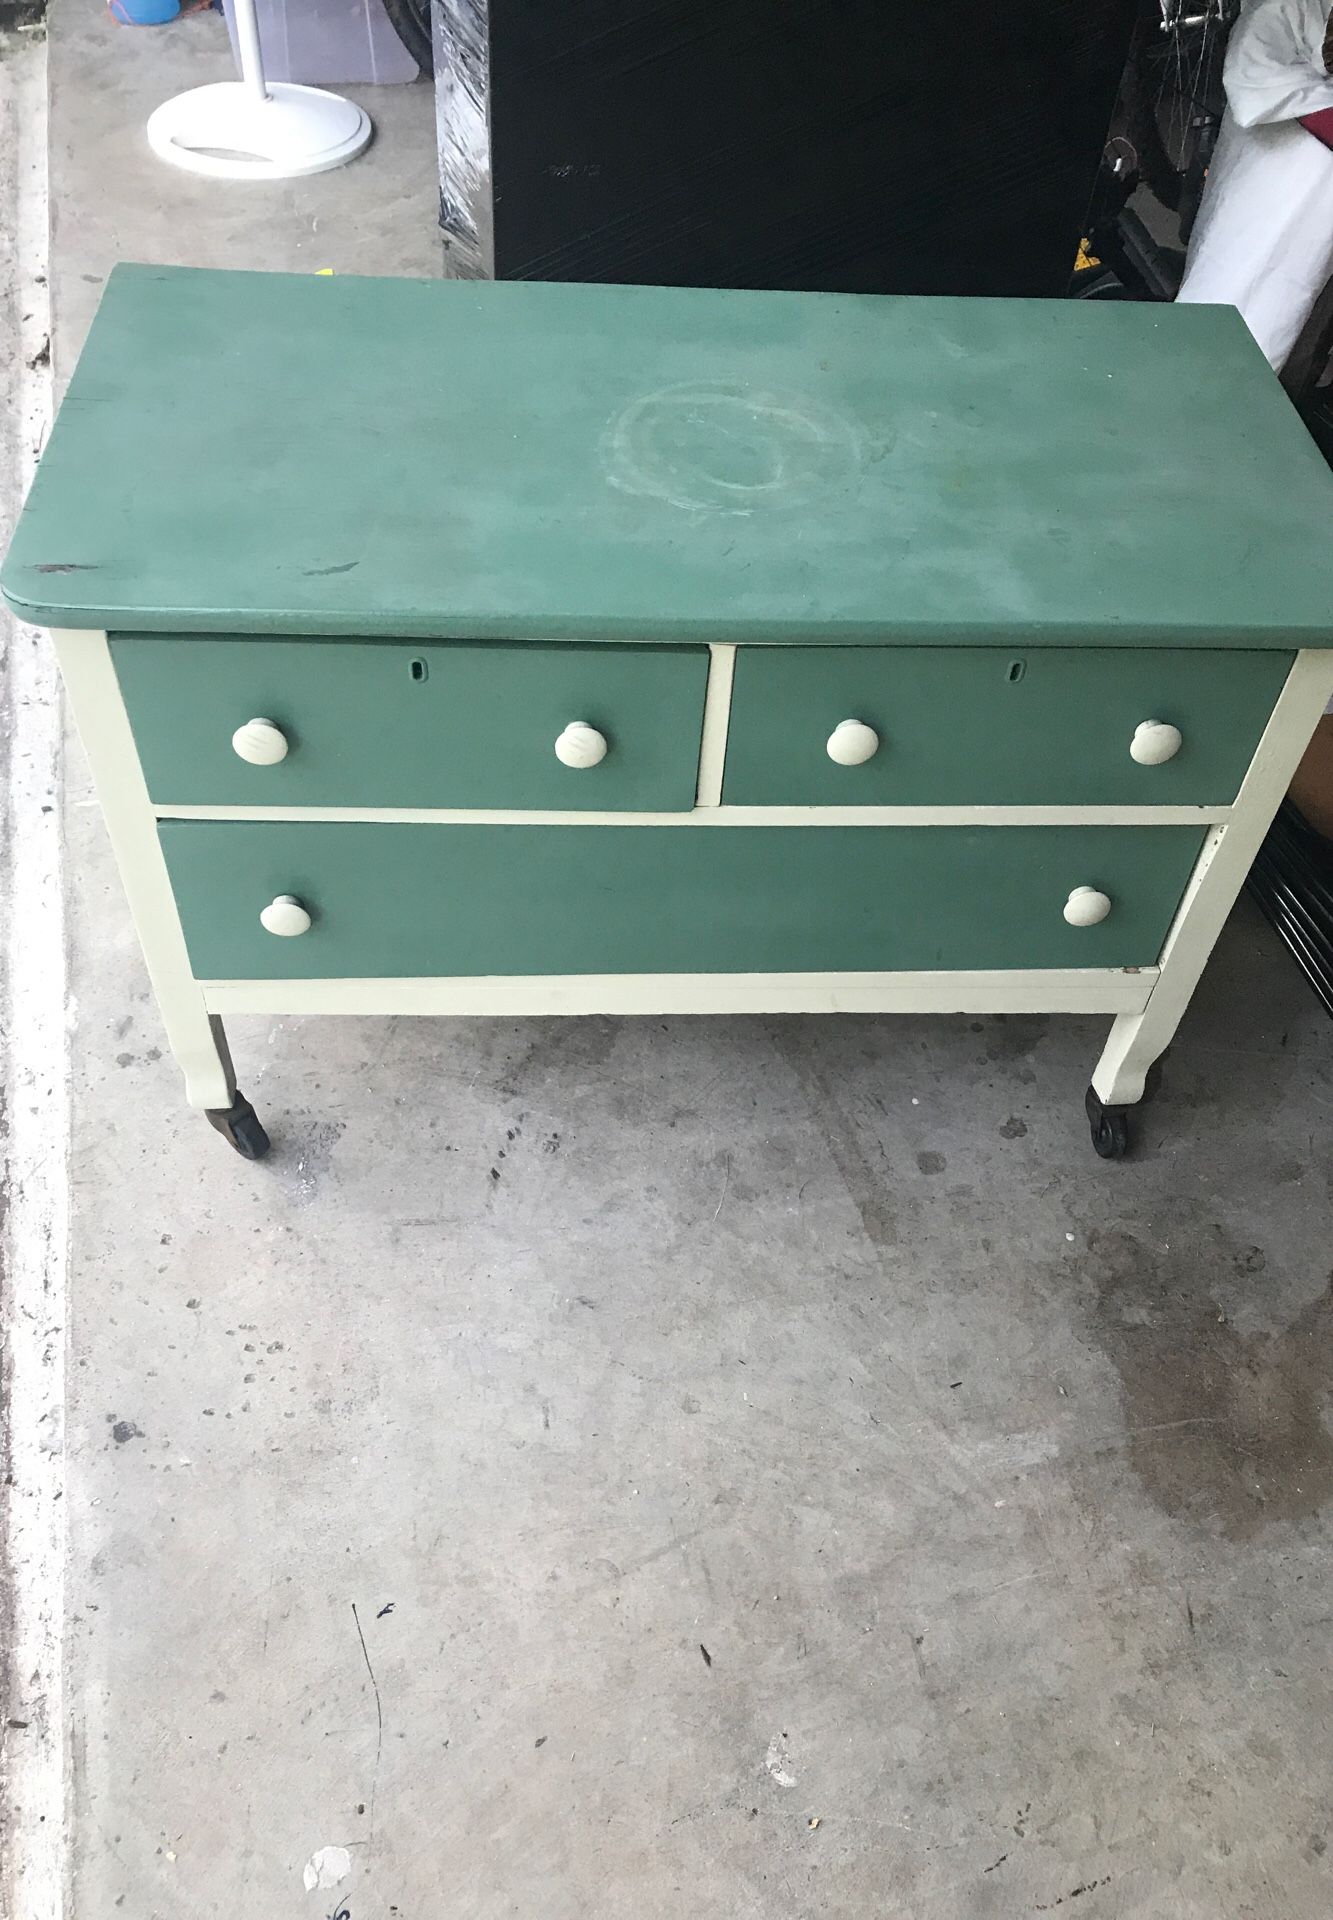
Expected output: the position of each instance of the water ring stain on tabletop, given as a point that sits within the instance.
(713, 447)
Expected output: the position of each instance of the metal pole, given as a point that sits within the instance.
(247, 40)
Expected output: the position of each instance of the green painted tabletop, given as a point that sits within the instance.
(275, 453)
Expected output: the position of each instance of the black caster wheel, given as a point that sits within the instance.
(240, 1124)
(1110, 1128)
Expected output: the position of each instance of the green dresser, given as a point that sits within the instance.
(475, 648)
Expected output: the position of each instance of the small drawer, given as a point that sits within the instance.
(383, 723)
(367, 899)
(982, 726)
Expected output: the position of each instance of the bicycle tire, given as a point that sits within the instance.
(410, 20)
(1138, 106)
(1154, 74)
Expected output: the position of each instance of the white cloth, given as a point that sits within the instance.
(1263, 239)
(1275, 62)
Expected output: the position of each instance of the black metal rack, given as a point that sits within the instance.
(1292, 880)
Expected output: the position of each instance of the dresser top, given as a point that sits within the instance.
(276, 453)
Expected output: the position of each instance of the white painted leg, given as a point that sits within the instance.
(1130, 1050)
(194, 1035)
(1122, 1072)
(1137, 1039)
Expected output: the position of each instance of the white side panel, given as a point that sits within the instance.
(1075, 990)
(104, 728)
(1137, 1039)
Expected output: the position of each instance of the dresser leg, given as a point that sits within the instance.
(198, 1044)
(199, 1048)
(1126, 1074)
(240, 1124)
(208, 1073)
(1135, 1042)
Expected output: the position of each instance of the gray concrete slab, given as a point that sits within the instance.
(112, 200)
(713, 1468)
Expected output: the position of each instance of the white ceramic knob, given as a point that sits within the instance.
(1154, 743)
(852, 743)
(285, 916)
(1085, 907)
(580, 745)
(260, 742)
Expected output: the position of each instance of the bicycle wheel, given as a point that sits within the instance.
(411, 22)
(1173, 98)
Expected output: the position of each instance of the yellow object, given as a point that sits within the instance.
(323, 273)
(1085, 259)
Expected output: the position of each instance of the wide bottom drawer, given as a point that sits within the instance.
(432, 900)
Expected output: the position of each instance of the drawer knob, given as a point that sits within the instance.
(285, 916)
(260, 742)
(580, 745)
(852, 743)
(1154, 743)
(1085, 907)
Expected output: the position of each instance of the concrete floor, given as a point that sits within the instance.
(669, 1468)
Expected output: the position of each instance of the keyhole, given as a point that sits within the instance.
(418, 670)
(1017, 668)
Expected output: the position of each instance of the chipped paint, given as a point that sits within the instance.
(326, 1868)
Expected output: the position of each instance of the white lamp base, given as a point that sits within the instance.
(232, 133)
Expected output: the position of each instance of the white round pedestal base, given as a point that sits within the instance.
(228, 131)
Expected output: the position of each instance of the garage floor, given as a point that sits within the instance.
(688, 1469)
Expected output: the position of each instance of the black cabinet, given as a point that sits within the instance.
(861, 145)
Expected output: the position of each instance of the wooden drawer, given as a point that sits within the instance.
(383, 723)
(985, 726)
(435, 900)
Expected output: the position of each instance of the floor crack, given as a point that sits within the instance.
(379, 1717)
